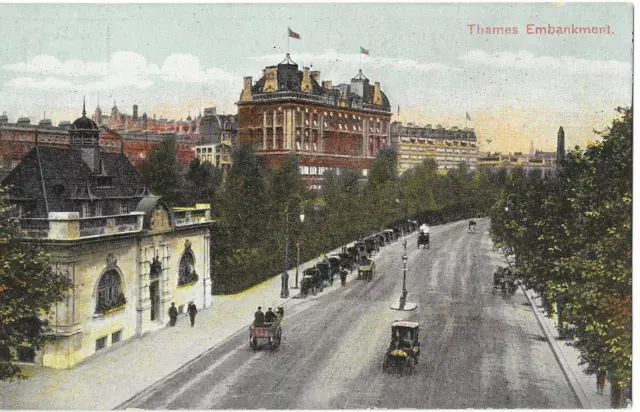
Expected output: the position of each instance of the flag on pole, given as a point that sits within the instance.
(468, 117)
(294, 35)
(364, 51)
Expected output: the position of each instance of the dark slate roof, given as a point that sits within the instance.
(67, 179)
(84, 123)
(290, 79)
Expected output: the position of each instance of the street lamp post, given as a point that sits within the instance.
(402, 303)
(298, 253)
(284, 292)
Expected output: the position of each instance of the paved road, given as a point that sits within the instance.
(479, 349)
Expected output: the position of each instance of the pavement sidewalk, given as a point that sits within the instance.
(108, 380)
(583, 385)
(568, 357)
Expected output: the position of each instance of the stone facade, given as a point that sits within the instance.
(147, 260)
(126, 252)
(448, 147)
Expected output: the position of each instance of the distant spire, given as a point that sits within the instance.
(98, 100)
(84, 112)
(44, 116)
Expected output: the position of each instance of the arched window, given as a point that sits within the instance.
(187, 273)
(109, 292)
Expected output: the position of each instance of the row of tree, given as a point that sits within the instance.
(571, 237)
(257, 209)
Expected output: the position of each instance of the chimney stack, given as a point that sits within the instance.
(327, 84)
(315, 75)
(135, 112)
(246, 91)
(306, 80)
(377, 95)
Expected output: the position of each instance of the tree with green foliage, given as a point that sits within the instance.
(162, 172)
(201, 182)
(571, 235)
(28, 289)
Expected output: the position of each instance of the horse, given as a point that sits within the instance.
(472, 226)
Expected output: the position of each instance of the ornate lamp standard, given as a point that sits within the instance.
(402, 303)
(284, 292)
(298, 253)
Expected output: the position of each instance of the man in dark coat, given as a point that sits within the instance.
(173, 314)
(259, 317)
(191, 309)
(270, 316)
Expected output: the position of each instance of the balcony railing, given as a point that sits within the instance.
(191, 217)
(69, 226)
(313, 98)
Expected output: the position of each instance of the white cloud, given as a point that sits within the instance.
(50, 83)
(332, 56)
(50, 65)
(125, 69)
(525, 60)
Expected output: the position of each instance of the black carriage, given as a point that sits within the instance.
(325, 271)
(423, 240)
(403, 352)
(371, 245)
(311, 282)
(504, 280)
(388, 236)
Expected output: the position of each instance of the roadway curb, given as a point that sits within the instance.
(576, 388)
(170, 375)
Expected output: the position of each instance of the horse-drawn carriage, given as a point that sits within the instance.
(397, 233)
(504, 280)
(372, 246)
(366, 268)
(403, 352)
(423, 239)
(312, 282)
(266, 334)
(326, 273)
(388, 236)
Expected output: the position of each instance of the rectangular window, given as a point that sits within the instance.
(101, 343)
(116, 336)
(124, 207)
(85, 210)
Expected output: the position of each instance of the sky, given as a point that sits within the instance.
(431, 60)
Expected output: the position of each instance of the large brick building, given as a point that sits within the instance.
(291, 111)
(17, 139)
(134, 136)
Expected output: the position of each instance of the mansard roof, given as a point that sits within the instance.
(57, 177)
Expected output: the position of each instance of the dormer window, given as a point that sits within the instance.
(105, 181)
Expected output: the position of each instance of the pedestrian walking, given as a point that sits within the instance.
(191, 309)
(173, 314)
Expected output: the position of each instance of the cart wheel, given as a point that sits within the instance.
(278, 338)
(253, 344)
